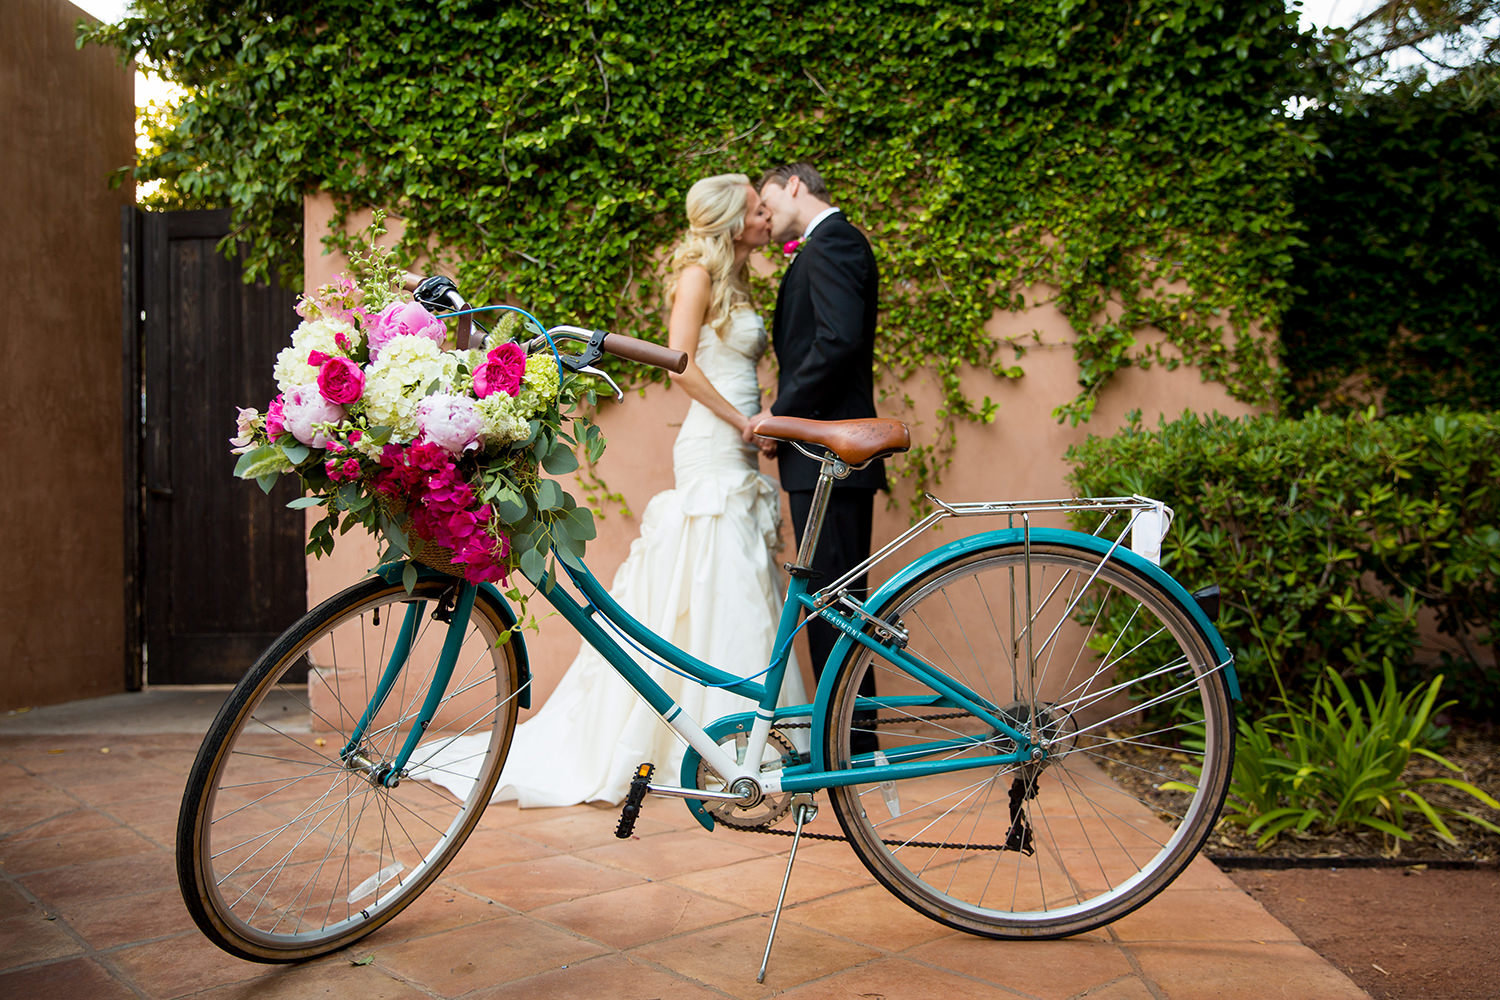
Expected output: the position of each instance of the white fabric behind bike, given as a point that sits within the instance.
(702, 574)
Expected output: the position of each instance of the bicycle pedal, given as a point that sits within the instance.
(631, 811)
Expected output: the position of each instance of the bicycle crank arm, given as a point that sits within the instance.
(671, 791)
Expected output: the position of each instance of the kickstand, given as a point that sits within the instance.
(805, 811)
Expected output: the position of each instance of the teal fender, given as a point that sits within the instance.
(391, 573)
(1014, 536)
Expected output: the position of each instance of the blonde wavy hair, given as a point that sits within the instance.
(716, 216)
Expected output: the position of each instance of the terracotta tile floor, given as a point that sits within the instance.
(547, 904)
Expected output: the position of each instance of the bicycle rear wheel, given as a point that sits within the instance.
(1104, 671)
(289, 843)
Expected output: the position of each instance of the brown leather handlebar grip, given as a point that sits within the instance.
(644, 351)
(410, 281)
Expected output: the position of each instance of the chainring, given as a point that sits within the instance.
(770, 808)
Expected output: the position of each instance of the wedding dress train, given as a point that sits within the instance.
(702, 574)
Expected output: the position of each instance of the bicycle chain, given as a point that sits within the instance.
(889, 843)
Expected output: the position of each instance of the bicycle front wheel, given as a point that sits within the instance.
(1100, 671)
(292, 841)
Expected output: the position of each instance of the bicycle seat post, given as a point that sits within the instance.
(833, 468)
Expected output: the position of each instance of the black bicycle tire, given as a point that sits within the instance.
(869, 845)
(199, 792)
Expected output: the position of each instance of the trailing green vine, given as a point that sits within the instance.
(1130, 162)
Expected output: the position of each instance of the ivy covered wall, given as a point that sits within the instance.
(1130, 162)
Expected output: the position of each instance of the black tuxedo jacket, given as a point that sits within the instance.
(823, 333)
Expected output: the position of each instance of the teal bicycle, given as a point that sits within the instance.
(1013, 668)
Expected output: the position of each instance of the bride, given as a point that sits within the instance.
(702, 572)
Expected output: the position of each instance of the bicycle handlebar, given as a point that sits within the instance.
(634, 349)
(440, 290)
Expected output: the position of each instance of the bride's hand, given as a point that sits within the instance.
(767, 446)
(748, 431)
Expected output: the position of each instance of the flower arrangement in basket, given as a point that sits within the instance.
(439, 451)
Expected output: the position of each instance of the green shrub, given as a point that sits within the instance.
(1339, 763)
(1393, 284)
(1330, 537)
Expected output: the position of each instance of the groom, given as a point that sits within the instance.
(823, 333)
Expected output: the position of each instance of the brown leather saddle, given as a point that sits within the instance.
(855, 442)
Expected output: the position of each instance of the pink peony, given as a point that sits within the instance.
(341, 381)
(501, 371)
(304, 407)
(275, 419)
(452, 423)
(404, 319)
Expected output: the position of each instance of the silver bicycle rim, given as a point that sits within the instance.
(1057, 847)
(300, 849)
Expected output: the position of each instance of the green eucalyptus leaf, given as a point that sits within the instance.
(560, 460)
(549, 495)
(533, 565)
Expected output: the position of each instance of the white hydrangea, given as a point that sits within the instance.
(504, 421)
(292, 369)
(398, 381)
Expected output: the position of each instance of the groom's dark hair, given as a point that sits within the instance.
(805, 172)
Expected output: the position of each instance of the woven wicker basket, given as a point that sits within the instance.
(428, 553)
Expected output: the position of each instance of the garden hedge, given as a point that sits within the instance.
(1336, 540)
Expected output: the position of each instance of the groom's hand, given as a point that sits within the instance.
(749, 432)
(766, 445)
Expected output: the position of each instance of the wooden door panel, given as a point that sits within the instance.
(223, 567)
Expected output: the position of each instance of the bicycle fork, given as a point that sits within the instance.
(453, 609)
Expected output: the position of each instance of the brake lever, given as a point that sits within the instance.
(583, 361)
(591, 370)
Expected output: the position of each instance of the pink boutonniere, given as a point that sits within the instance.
(790, 247)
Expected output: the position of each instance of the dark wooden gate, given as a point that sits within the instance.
(220, 570)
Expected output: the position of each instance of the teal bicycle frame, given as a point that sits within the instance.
(854, 623)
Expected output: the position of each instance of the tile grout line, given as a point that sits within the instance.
(89, 953)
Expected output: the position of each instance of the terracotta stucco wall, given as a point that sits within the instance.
(1019, 456)
(69, 119)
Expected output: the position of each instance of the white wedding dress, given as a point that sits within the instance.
(702, 574)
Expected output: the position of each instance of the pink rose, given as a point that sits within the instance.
(345, 471)
(404, 319)
(303, 409)
(501, 371)
(341, 381)
(275, 419)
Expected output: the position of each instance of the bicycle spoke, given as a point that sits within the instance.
(1090, 665)
(299, 846)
